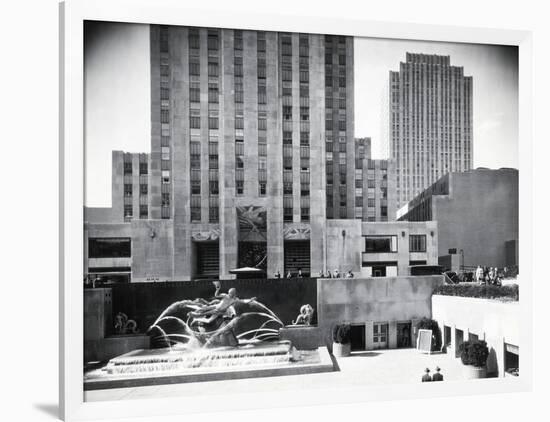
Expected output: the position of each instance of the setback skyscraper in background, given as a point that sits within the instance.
(430, 122)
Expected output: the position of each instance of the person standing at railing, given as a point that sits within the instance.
(479, 274)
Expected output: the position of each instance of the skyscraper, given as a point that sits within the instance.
(430, 122)
(240, 121)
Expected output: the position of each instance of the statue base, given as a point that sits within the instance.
(170, 366)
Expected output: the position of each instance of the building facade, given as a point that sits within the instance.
(477, 216)
(240, 121)
(378, 249)
(430, 122)
(375, 184)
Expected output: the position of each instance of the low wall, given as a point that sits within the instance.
(110, 347)
(494, 321)
(144, 302)
(302, 337)
(380, 299)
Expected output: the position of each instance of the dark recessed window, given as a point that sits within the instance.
(115, 247)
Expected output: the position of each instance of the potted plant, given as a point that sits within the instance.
(473, 355)
(341, 338)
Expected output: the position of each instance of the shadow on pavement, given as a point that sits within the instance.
(50, 409)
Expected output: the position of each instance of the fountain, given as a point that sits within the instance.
(200, 340)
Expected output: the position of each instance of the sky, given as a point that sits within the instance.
(117, 97)
(495, 98)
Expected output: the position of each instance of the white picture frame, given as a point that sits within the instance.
(72, 15)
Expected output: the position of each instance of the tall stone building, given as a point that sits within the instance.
(238, 174)
(430, 122)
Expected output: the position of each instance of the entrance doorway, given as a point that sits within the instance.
(379, 271)
(403, 335)
(357, 337)
(459, 337)
(208, 259)
(380, 335)
(447, 336)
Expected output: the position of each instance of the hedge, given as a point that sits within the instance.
(483, 291)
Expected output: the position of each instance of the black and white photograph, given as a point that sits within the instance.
(279, 209)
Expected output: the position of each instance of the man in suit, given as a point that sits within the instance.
(437, 376)
(426, 377)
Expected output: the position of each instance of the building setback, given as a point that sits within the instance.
(430, 122)
(476, 212)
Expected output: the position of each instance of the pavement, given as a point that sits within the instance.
(377, 367)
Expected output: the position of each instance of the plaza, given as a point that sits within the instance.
(380, 367)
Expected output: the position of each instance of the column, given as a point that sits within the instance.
(226, 151)
(275, 241)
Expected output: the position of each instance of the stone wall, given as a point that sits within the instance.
(494, 321)
(381, 299)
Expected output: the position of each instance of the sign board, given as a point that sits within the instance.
(424, 341)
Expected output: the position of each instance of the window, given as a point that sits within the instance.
(143, 212)
(165, 176)
(262, 188)
(165, 153)
(195, 187)
(127, 167)
(127, 189)
(417, 243)
(239, 185)
(112, 247)
(380, 244)
(143, 169)
(143, 189)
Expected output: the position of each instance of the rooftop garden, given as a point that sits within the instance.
(508, 292)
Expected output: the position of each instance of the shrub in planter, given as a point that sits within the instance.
(430, 324)
(473, 355)
(341, 337)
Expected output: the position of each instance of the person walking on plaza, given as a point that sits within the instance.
(437, 376)
(277, 274)
(426, 377)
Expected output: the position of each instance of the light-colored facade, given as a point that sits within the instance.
(477, 216)
(430, 122)
(493, 321)
(379, 249)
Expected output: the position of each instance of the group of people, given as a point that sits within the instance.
(489, 275)
(438, 376)
(299, 274)
(336, 274)
(328, 274)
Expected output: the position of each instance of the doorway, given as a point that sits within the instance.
(379, 271)
(358, 337)
(380, 335)
(403, 335)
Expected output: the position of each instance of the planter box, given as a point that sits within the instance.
(341, 350)
(472, 372)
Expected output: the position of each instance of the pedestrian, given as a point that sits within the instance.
(329, 274)
(300, 273)
(277, 274)
(336, 273)
(437, 376)
(288, 275)
(426, 377)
